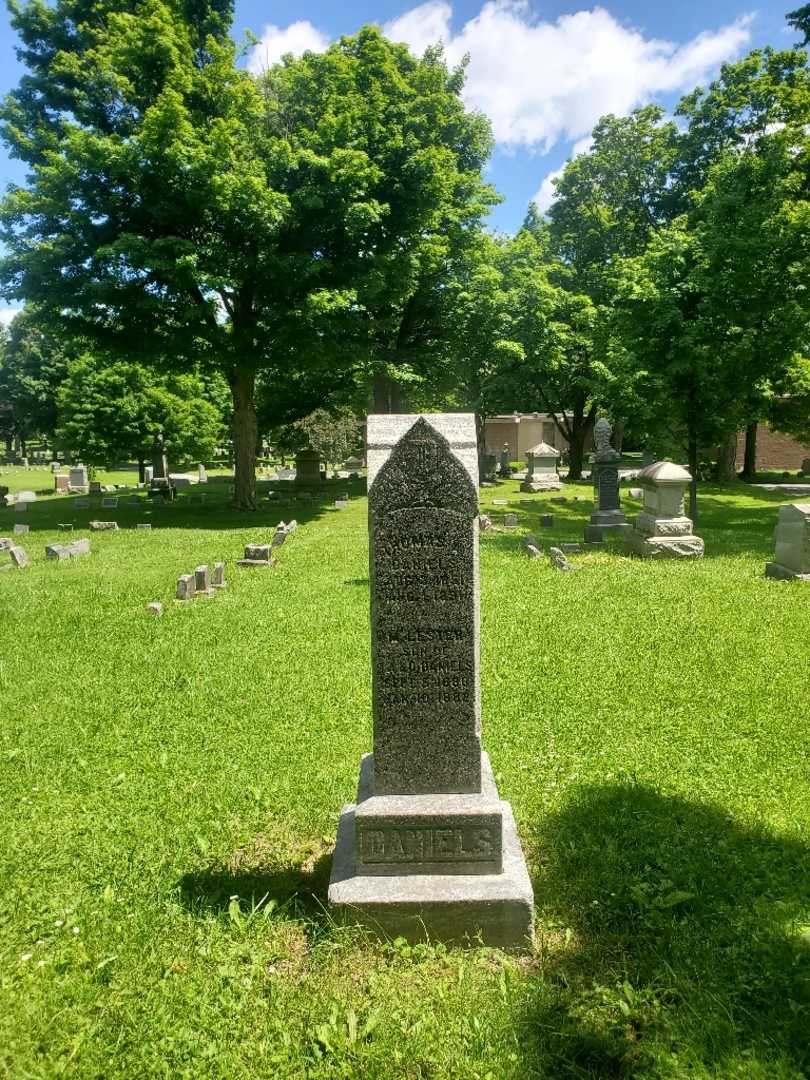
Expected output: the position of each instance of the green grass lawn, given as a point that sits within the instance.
(170, 789)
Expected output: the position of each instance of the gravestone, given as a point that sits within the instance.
(67, 551)
(662, 530)
(103, 526)
(20, 507)
(96, 487)
(484, 522)
(257, 555)
(21, 530)
(19, 557)
(428, 848)
(341, 504)
(546, 521)
(148, 474)
(792, 540)
(532, 546)
(308, 469)
(806, 467)
(504, 468)
(202, 581)
(202, 475)
(560, 562)
(109, 504)
(607, 520)
(155, 608)
(142, 525)
(65, 526)
(82, 504)
(510, 521)
(78, 479)
(27, 497)
(61, 483)
(541, 473)
(218, 580)
(185, 587)
(489, 469)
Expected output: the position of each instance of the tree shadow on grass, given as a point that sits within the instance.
(688, 948)
(297, 888)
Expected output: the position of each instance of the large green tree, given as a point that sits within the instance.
(33, 362)
(274, 228)
(113, 412)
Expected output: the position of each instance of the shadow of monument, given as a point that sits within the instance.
(688, 941)
(298, 889)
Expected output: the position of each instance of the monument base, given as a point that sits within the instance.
(535, 487)
(493, 909)
(665, 547)
(466, 904)
(784, 573)
(595, 534)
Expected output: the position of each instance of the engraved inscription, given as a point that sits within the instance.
(400, 844)
(608, 489)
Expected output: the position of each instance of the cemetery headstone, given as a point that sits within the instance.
(560, 562)
(806, 467)
(308, 469)
(155, 608)
(96, 487)
(67, 551)
(541, 474)
(78, 479)
(484, 522)
(55, 466)
(202, 475)
(510, 521)
(489, 469)
(218, 579)
(27, 497)
(257, 555)
(144, 525)
(792, 540)
(19, 557)
(662, 530)
(202, 581)
(546, 521)
(186, 587)
(21, 530)
(532, 546)
(341, 504)
(82, 504)
(109, 504)
(148, 474)
(608, 518)
(104, 526)
(65, 526)
(20, 507)
(570, 548)
(504, 467)
(428, 848)
(61, 483)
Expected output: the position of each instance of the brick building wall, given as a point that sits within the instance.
(775, 451)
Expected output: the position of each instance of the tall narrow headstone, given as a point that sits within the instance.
(792, 540)
(428, 848)
(608, 519)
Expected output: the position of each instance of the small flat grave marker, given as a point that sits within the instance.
(21, 530)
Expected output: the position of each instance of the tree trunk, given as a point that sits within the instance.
(693, 469)
(580, 427)
(749, 472)
(387, 395)
(141, 471)
(245, 439)
(727, 457)
(9, 443)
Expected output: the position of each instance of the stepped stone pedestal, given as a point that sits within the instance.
(428, 850)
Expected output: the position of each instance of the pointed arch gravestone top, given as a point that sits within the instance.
(429, 848)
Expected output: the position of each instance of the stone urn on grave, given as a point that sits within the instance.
(662, 530)
(542, 472)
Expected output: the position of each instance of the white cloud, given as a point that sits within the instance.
(8, 313)
(297, 38)
(541, 83)
(546, 195)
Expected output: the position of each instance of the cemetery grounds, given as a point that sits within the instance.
(170, 789)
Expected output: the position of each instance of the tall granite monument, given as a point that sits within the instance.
(607, 520)
(428, 849)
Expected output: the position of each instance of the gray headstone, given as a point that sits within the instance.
(143, 525)
(559, 561)
(546, 521)
(109, 504)
(202, 579)
(67, 551)
(792, 544)
(82, 504)
(155, 608)
(510, 521)
(429, 848)
(21, 530)
(218, 580)
(185, 587)
(19, 556)
(423, 506)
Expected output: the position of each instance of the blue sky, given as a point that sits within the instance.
(543, 72)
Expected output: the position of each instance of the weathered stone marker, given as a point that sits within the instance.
(662, 530)
(428, 848)
(792, 540)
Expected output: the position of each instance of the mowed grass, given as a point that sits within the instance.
(170, 789)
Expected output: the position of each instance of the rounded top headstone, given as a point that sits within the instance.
(664, 472)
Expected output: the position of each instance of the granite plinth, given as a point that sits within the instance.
(666, 547)
(784, 573)
(533, 486)
(496, 909)
(428, 834)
